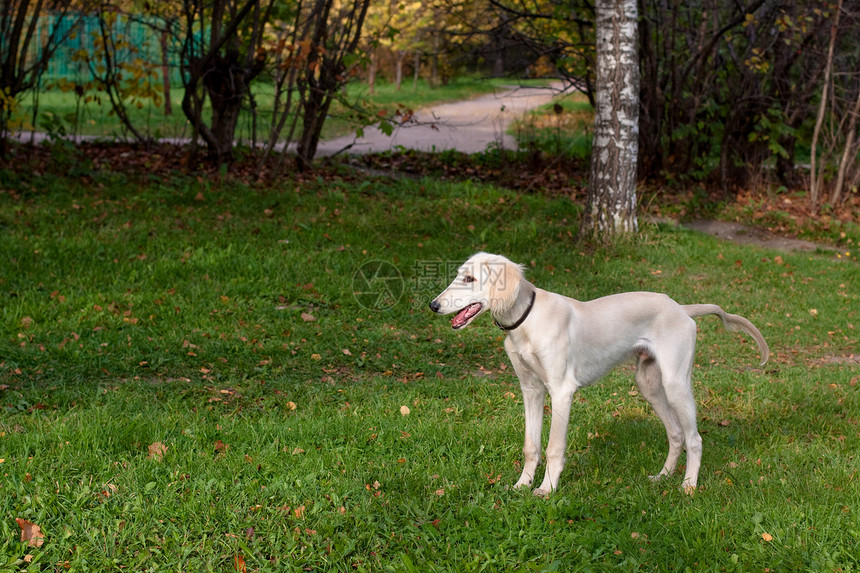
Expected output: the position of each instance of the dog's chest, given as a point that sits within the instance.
(526, 356)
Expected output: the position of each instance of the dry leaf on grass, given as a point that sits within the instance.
(30, 532)
(157, 451)
(404, 410)
(307, 317)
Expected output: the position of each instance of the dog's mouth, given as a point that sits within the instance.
(466, 315)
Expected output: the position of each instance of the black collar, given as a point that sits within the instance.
(522, 318)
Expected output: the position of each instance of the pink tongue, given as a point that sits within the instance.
(464, 315)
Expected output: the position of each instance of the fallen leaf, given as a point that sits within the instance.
(767, 536)
(240, 564)
(307, 317)
(30, 532)
(157, 451)
(404, 410)
(291, 405)
(221, 447)
(346, 352)
(109, 490)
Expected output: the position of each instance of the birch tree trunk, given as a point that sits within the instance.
(610, 208)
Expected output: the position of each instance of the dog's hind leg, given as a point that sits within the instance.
(679, 393)
(678, 390)
(649, 380)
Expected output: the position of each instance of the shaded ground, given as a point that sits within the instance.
(462, 129)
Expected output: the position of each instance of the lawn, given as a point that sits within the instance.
(203, 374)
(62, 113)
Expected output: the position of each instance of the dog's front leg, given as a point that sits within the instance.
(557, 445)
(533, 399)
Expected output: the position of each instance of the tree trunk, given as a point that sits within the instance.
(165, 74)
(816, 178)
(227, 84)
(416, 70)
(371, 72)
(610, 208)
(849, 154)
(434, 61)
(398, 69)
(325, 69)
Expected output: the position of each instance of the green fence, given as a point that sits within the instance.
(79, 32)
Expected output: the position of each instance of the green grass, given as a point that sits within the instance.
(561, 128)
(171, 311)
(62, 113)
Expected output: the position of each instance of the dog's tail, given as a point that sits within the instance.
(732, 322)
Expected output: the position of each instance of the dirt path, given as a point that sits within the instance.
(469, 126)
(743, 234)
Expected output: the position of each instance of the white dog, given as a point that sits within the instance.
(558, 345)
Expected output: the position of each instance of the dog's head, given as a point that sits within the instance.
(484, 282)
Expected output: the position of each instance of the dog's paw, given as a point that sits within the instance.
(690, 490)
(656, 478)
(543, 493)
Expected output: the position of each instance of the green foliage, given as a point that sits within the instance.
(221, 321)
(771, 129)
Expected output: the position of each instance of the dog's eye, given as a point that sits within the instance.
(469, 279)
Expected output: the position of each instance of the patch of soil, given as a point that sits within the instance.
(738, 233)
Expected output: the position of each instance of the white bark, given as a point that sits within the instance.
(611, 204)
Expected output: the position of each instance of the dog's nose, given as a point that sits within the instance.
(435, 306)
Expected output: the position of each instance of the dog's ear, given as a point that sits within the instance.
(504, 283)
